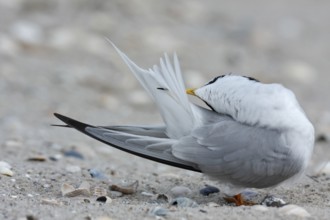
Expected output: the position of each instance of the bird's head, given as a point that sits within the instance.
(224, 92)
(251, 102)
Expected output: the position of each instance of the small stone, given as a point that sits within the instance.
(73, 153)
(56, 157)
(12, 143)
(294, 210)
(249, 194)
(97, 174)
(5, 169)
(73, 169)
(209, 190)
(27, 32)
(158, 211)
(272, 201)
(147, 194)
(37, 158)
(104, 199)
(180, 191)
(184, 202)
(321, 138)
(213, 204)
(31, 217)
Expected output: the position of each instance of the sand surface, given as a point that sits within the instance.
(54, 58)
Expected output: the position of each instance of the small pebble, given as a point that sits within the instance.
(294, 210)
(37, 158)
(73, 153)
(73, 169)
(104, 199)
(272, 201)
(147, 194)
(209, 190)
(12, 143)
(97, 174)
(184, 202)
(56, 157)
(321, 138)
(213, 204)
(27, 32)
(180, 191)
(31, 217)
(5, 169)
(158, 211)
(249, 194)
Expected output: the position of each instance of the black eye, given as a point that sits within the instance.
(215, 79)
(251, 78)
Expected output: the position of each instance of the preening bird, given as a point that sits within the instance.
(254, 135)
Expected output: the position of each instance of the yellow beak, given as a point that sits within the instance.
(191, 92)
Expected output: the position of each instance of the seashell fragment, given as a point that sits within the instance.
(51, 202)
(66, 188)
(99, 191)
(69, 191)
(130, 189)
(5, 169)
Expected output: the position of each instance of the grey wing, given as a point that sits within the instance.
(144, 141)
(239, 154)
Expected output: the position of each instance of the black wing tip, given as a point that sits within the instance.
(72, 123)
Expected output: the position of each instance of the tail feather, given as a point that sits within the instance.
(165, 85)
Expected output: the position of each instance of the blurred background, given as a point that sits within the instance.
(54, 57)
